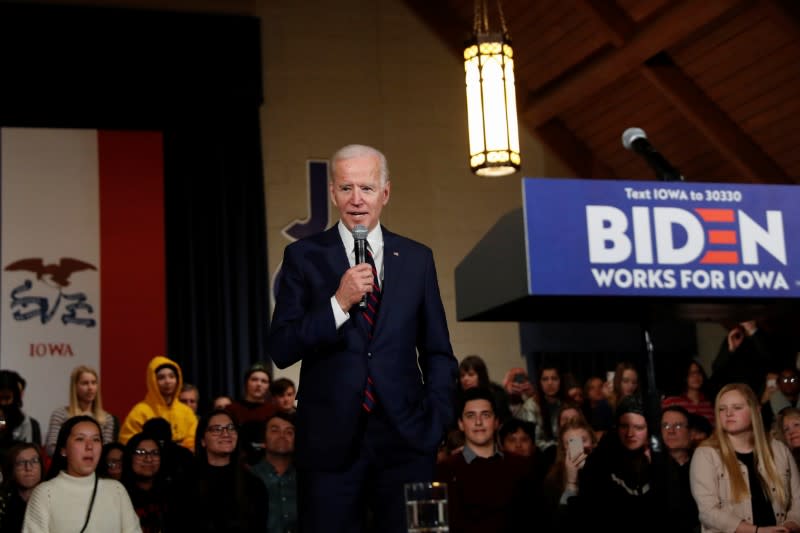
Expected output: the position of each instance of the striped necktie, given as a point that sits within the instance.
(370, 314)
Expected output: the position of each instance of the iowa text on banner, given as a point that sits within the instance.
(82, 256)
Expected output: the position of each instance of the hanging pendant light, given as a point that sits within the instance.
(491, 98)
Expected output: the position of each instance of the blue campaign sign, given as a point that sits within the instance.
(672, 239)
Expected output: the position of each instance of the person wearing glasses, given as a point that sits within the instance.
(176, 460)
(787, 430)
(678, 508)
(787, 394)
(742, 479)
(22, 471)
(110, 464)
(220, 495)
(141, 475)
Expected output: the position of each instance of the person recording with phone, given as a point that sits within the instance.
(576, 440)
(521, 394)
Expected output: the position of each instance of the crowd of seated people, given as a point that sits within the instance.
(555, 453)
(718, 455)
(164, 469)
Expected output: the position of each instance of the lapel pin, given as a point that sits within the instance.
(396, 254)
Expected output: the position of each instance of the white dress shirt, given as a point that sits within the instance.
(375, 243)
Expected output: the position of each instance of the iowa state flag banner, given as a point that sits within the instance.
(82, 257)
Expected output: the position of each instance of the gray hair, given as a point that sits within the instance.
(352, 151)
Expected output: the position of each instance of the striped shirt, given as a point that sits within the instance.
(61, 415)
(702, 407)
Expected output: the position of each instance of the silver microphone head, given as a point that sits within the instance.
(630, 135)
(360, 232)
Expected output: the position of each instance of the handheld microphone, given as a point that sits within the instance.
(360, 238)
(635, 139)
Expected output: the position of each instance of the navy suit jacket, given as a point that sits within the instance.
(415, 393)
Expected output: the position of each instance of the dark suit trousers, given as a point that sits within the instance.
(367, 496)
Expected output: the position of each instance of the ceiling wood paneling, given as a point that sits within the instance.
(713, 83)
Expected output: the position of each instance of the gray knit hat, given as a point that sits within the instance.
(630, 404)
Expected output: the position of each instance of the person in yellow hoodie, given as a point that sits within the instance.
(164, 381)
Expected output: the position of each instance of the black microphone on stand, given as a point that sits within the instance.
(635, 139)
(360, 238)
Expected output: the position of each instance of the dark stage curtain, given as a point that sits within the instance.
(217, 282)
(197, 78)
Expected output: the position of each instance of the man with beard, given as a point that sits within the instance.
(277, 472)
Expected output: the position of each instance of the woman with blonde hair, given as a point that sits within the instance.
(84, 399)
(742, 479)
(787, 430)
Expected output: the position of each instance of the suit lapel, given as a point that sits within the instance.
(392, 267)
(335, 252)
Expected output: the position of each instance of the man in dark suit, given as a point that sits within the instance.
(376, 386)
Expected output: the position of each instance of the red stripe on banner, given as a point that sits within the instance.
(719, 236)
(132, 263)
(720, 258)
(715, 215)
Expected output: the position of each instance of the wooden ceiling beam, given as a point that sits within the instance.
(668, 29)
(614, 21)
(784, 13)
(572, 151)
(704, 114)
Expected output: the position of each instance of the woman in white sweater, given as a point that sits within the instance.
(743, 480)
(74, 499)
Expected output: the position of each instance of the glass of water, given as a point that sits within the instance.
(426, 507)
